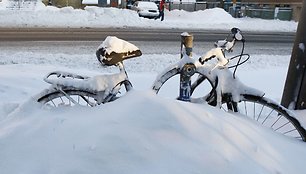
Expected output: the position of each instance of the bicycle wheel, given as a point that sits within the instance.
(202, 88)
(268, 114)
(72, 97)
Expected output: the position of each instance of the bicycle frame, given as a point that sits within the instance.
(95, 90)
(221, 79)
(188, 69)
(67, 88)
(105, 87)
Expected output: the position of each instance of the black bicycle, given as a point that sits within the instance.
(68, 89)
(225, 90)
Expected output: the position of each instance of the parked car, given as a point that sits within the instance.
(129, 4)
(146, 9)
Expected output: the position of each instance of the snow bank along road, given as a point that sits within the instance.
(136, 34)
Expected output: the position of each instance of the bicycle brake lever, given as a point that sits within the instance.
(203, 60)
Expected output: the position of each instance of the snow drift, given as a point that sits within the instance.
(141, 133)
(216, 19)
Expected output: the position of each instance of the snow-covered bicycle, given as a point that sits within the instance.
(72, 89)
(226, 91)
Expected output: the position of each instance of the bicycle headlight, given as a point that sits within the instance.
(237, 34)
(188, 69)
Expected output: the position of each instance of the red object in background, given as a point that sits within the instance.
(161, 5)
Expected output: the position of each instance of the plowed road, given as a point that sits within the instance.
(132, 34)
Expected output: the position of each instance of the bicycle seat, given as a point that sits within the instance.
(114, 50)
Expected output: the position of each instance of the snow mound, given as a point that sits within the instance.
(141, 133)
(97, 17)
(209, 16)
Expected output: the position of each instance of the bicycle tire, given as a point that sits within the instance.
(267, 113)
(163, 78)
(57, 98)
(82, 97)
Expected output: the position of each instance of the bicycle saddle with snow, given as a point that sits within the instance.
(114, 50)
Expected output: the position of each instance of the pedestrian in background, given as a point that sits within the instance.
(161, 10)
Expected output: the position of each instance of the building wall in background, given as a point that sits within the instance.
(296, 5)
(273, 1)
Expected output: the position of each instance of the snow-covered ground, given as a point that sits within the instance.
(140, 132)
(216, 19)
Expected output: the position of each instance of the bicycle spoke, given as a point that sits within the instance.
(260, 112)
(279, 117)
(245, 109)
(62, 100)
(282, 126)
(267, 116)
(69, 98)
(290, 131)
(53, 103)
(270, 115)
(224, 109)
(254, 107)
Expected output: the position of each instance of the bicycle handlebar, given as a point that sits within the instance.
(225, 45)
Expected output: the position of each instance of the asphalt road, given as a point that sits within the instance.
(132, 34)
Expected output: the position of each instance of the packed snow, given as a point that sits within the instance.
(114, 44)
(140, 132)
(217, 18)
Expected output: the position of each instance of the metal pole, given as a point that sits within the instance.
(294, 94)
(188, 69)
(186, 43)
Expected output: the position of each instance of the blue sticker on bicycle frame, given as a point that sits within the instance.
(185, 90)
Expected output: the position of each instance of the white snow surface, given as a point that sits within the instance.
(114, 44)
(140, 132)
(96, 17)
